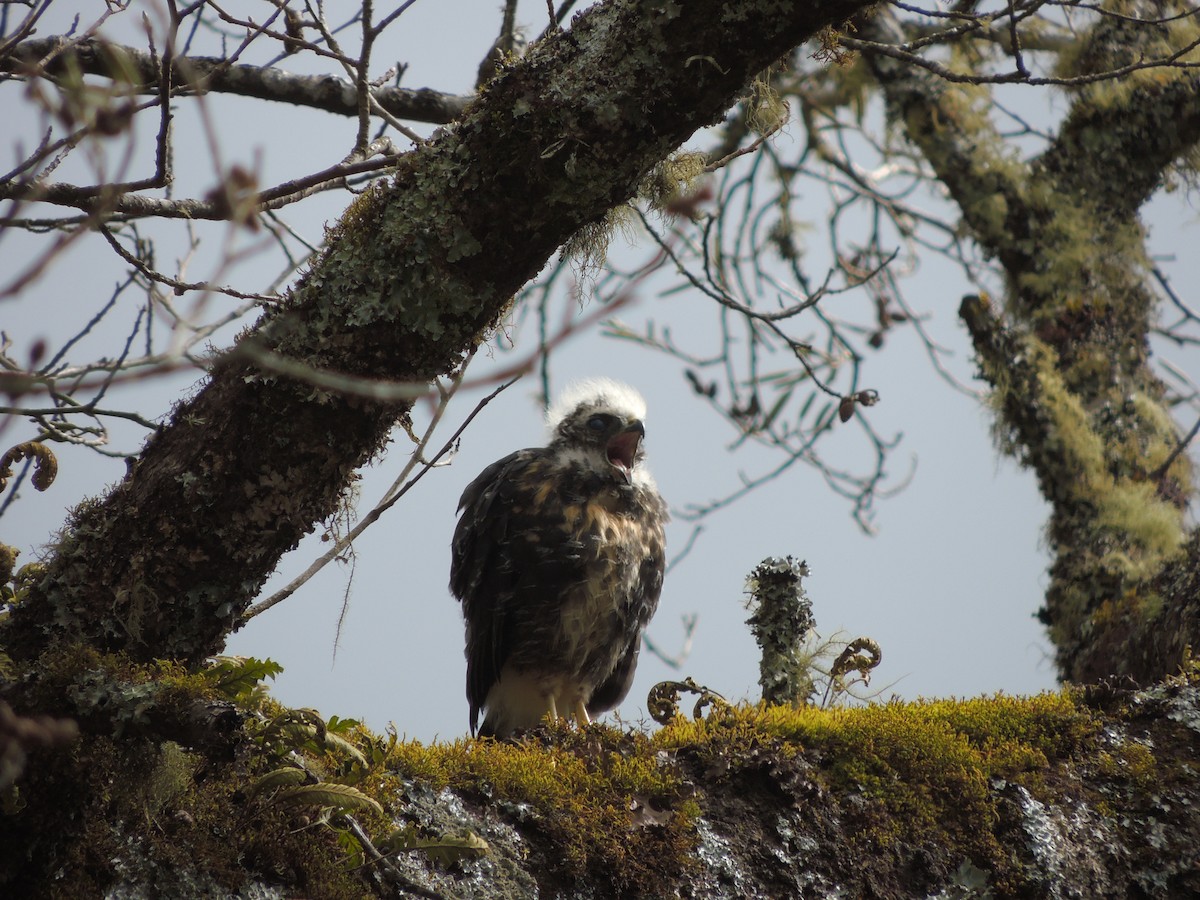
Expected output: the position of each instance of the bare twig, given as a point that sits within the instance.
(676, 660)
(399, 488)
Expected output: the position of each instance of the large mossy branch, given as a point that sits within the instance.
(1110, 153)
(1086, 299)
(1073, 207)
(1129, 137)
(1121, 135)
(1052, 432)
(1121, 598)
(1075, 396)
(414, 275)
(1077, 793)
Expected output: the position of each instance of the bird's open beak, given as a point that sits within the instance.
(622, 449)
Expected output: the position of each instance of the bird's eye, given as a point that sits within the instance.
(597, 423)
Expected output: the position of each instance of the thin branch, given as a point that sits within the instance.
(82, 409)
(677, 660)
(399, 488)
(688, 545)
(387, 867)
(134, 205)
(1173, 61)
(174, 283)
(1158, 474)
(193, 75)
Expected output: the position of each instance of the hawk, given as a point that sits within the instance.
(558, 560)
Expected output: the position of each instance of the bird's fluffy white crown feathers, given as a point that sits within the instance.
(601, 392)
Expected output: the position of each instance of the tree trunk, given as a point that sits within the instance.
(1068, 355)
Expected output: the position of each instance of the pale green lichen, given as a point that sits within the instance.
(392, 258)
(766, 111)
(781, 618)
(959, 131)
(671, 178)
(1120, 44)
(1145, 529)
(1072, 250)
(587, 248)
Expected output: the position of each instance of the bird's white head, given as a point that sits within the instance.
(600, 424)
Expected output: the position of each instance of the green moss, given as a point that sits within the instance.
(1146, 529)
(119, 805)
(8, 565)
(1131, 760)
(998, 736)
(586, 790)
(1130, 608)
(1118, 44)
(617, 808)
(996, 175)
(1076, 246)
(607, 801)
(926, 765)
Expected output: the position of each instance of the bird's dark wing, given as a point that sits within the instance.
(614, 689)
(509, 557)
(481, 575)
(483, 509)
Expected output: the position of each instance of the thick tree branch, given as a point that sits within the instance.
(1076, 397)
(1119, 139)
(415, 274)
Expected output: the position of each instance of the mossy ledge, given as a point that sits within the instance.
(1044, 795)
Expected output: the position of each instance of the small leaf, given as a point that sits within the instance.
(288, 775)
(445, 850)
(450, 850)
(238, 676)
(340, 725)
(846, 409)
(399, 839)
(554, 148)
(338, 796)
(297, 727)
(339, 743)
(776, 409)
